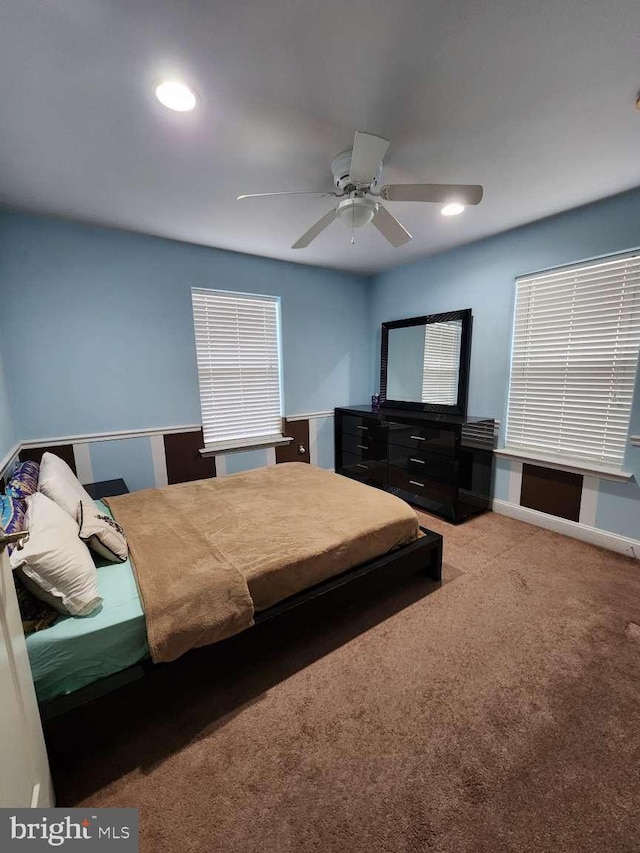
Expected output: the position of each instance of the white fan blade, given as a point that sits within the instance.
(264, 195)
(316, 229)
(366, 158)
(390, 228)
(443, 193)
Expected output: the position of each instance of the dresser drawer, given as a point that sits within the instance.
(437, 493)
(364, 446)
(433, 466)
(374, 470)
(425, 438)
(354, 425)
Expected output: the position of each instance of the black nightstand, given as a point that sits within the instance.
(107, 489)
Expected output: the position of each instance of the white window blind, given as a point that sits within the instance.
(441, 362)
(575, 354)
(238, 352)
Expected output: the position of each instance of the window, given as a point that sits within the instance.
(238, 352)
(573, 366)
(441, 362)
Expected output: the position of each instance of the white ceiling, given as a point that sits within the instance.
(534, 99)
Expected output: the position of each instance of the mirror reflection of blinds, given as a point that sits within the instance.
(237, 347)
(441, 363)
(574, 360)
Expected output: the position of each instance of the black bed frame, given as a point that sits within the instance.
(423, 555)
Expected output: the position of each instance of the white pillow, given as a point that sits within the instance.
(102, 533)
(54, 563)
(58, 482)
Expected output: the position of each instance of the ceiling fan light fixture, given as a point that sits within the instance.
(357, 212)
(454, 208)
(176, 96)
(356, 175)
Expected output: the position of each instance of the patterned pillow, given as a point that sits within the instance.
(36, 615)
(12, 515)
(24, 480)
(102, 533)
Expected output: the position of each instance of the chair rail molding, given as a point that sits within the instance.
(107, 436)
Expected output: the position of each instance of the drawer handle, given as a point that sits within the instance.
(363, 447)
(416, 483)
(361, 427)
(417, 437)
(419, 461)
(360, 465)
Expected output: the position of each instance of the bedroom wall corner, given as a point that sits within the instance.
(110, 314)
(481, 276)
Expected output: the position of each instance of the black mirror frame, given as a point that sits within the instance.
(460, 408)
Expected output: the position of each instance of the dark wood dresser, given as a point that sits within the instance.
(441, 463)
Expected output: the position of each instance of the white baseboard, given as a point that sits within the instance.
(592, 535)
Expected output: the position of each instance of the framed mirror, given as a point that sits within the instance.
(425, 363)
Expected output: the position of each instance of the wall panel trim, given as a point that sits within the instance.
(515, 482)
(84, 466)
(313, 442)
(108, 436)
(159, 460)
(154, 433)
(574, 529)
(90, 437)
(589, 501)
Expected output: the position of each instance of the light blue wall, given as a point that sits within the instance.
(129, 458)
(8, 435)
(97, 333)
(237, 462)
(98, 327)
(501, 471)
(481, 276)
(325, 442)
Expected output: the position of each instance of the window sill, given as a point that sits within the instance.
(242, 444)
(562, 463)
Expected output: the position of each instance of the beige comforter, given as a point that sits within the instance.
(207, 553)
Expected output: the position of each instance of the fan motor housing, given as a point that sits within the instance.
(341, 167)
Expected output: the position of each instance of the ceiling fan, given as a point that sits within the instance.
(356, 174)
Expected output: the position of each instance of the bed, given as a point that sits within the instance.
(75, 652)
(277, 536)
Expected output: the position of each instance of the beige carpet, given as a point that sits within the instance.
(500, 712)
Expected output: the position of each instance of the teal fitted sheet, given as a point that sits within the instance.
(76, 651)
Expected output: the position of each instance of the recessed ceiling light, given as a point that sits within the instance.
(452, 209)
(176, 96)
